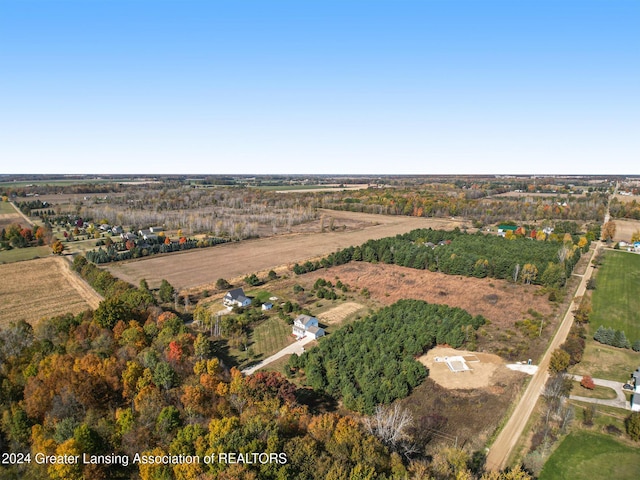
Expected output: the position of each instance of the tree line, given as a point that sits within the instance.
(454, 252)
(372, 361)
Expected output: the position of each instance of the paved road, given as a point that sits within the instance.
(509, 435)
(297, 347)
(619, 402)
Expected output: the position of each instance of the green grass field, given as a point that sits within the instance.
(19, 254)
(267, 338)
(594, 456)
(616, 299)
(603, 361)
(598, 392)
(6, 207)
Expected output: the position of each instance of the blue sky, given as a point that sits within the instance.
(343, 87)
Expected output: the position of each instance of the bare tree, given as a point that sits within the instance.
(391, 424)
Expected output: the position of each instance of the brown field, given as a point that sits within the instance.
(533, 195)
(337, 314)
(502, 303)
(627, 198)
(201, 268)
(42, 288)
(625, 228)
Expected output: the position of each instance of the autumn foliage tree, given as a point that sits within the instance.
(587, 382)
(609, 231)
(57, 247)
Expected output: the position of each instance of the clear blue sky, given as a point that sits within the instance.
(306, 86)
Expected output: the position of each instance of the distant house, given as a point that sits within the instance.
(116, 230)
(236, 297)
(636, 247)
(128, 236)
(267, 306)
(503, 229)
(148, 235)
(105, 227)
(156, 229)
(635, 397)
(306, 326)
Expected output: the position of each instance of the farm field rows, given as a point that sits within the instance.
(616, 299)
(232, 260)
(39, 289)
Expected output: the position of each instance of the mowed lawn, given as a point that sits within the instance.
(6, 208)
(594, 456)
(20, 254)
(616, 299)
(268, 337)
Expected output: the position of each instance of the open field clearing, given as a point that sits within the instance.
(627, 198)
(40, 289)
(616, 299)
(203, 267)
(317, 188)
(6, 208)
(533, 195)
(604, 361)
(20, 254)
(499, 301)
(591, 455)
(625, 228)
(336, 315)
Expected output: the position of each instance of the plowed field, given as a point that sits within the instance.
(41, 288)
(203, 267)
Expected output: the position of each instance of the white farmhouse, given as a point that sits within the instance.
(306, 326)
(236, 297)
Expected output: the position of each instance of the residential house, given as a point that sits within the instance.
(128, 236)
(105, 227)
(635, 397)
(117, 230)
(503, 229)
(267, 306)
(306, 326)
(236, 297)
(148, 235)
(156, 230)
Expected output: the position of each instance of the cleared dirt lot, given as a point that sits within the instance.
(488, 371)
(502, 303)
(233, 260)
(39, 289)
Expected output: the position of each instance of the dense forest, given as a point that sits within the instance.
(520, 258)
(372, 361)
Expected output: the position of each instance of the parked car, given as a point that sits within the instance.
(627, 386)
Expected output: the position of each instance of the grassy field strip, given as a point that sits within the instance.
(270, 336)
(594, 456)
(616, 299)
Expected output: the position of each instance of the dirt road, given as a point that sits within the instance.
(508, 437)
(89, 295)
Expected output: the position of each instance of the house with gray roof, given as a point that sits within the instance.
(307, 326)
(236, 297)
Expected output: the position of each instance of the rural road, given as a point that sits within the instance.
(509, 435)
(19, 212)
(297, 347)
